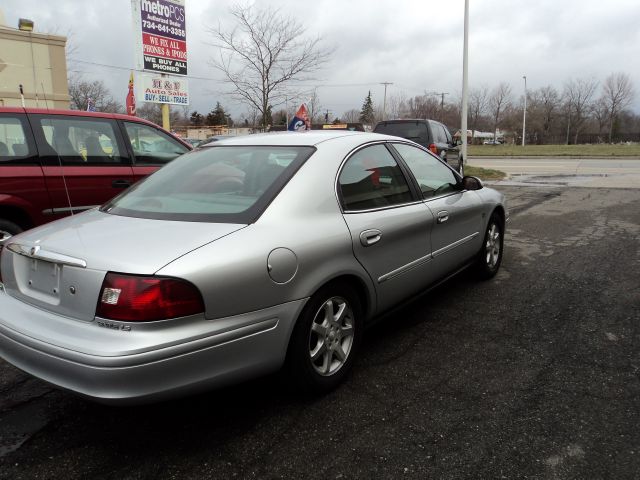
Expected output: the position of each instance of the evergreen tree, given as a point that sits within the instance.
(217, 116)
(367, 115)
(196, 118)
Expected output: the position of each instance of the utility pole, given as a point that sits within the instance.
(441, 94)
(326, 117)
(524, 114)
(384, 102)
(465, 85)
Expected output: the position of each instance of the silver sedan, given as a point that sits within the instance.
(238, 259)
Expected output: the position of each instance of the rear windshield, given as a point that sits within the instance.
(416, 132)
(229, 184)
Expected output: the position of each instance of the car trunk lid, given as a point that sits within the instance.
(60, 267)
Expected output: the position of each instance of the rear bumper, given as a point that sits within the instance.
(200, 355)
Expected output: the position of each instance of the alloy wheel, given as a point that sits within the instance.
(492, 246)
(331, 336)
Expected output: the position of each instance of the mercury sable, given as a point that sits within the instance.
(238, 259)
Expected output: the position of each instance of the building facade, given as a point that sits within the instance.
(37, 62)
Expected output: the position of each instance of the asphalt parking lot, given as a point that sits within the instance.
(535, 374)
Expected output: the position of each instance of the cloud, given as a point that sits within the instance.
(415, 44)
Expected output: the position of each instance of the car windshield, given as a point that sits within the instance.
(231, 184)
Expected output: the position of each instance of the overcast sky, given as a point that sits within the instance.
(416, 44)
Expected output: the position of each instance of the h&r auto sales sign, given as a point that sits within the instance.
(161, 36)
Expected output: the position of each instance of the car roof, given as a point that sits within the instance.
(407, 120)
(309, 138)
(82, 113)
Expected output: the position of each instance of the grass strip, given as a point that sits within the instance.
(484, 173)
(601, 150)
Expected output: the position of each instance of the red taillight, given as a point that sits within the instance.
(433, 147)
(134, 298)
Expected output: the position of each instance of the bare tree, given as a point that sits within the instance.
(549, 103)
(423, 106)
(579, 94)
(478, 105)
(153, 113)
(315, 108)
(600, 113)
(351, 116)
(395, 105)
(263, 54)
(499, 101)
(617, 95)
(250, 117)
(81, 92)
(543, 106)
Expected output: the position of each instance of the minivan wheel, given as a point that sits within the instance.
(8, 229)
(325, 339)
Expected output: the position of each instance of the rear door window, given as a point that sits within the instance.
(70, 140)
(16, 143)
(371, 179)
(83, 160)
(151, 146)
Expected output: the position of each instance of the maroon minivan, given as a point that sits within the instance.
(57, 162)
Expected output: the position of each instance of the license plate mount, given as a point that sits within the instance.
(44, 277)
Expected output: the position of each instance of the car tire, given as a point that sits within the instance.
(490, 255)
(325, 339)
(8, 229)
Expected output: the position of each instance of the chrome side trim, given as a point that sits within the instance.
(404, 268)
(51, 211)
(38, 253)
(454, 244)
(386, 207)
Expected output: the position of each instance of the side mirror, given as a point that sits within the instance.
(472, 183)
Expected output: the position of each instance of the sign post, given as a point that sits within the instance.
(161, 48)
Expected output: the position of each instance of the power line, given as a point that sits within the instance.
(118, 67)
(196, 77)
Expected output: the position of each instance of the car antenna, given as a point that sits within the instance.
(64, 179)
(44, 95)
(22, 95)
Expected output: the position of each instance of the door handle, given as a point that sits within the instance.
(121, 183)
(443, 216)
(370, 237)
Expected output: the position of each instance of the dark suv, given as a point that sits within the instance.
(55, 162)
(428, 133)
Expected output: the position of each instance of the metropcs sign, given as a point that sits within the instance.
(161, 36)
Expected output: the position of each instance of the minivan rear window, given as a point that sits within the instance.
(417, 132)
(230, 184)
(78, 140)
